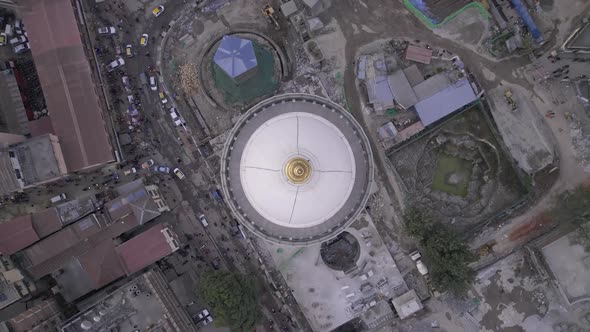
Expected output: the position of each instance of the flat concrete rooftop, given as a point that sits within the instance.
(330, 298)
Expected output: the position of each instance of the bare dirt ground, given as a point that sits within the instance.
(510, 296)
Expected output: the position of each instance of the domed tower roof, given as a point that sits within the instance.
(296, 169)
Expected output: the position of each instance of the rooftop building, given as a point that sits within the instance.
(418, 54)
(145, 304)
(235, 56)
(407, 304)
(30, 162)
(445, 102)
(13, 284)
(297, 169)
(133, 208)
(43, 317)
(22, 231)
(17, 234)
(12, 111)
(67, 83)
(342, 278)
(147, 248)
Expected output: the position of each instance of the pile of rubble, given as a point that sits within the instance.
(581, 144)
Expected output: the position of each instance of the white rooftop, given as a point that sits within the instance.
(296, 169)
(289, 136)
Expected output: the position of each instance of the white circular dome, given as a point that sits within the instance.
(265, 180)
(296, 169)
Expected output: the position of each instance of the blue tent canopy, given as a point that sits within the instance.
(235, 56)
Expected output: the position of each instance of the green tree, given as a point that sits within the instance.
(445, 254)
(232, 297)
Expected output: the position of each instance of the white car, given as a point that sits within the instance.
(158, 11)
(21, 48)
(207, 320)
(162, 169)
(176, 118)
(153, 83)
(178, 173)
(130, 171)
(18, 40)
(115, 64)
(107, 31)
(205, 223)
(143, 41)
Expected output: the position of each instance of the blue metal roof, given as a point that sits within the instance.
(445, 102)
(235, 56)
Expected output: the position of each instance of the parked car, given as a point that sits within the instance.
(178, 173)
(20, 48)
(125, 80)
(143, 41)
(132, 170)
(18, 27)
(207, 320)
(8, 30)
(115, 64)
(158, 10)
(3, 39)
(217, 195)
(203, 220)
(58, 198)
(163, 97)
(201, 315)
(153, 83)
(129, 50)
(162, 169)
(107, 31)
(18, 40)
(147, 164)
(176, 118)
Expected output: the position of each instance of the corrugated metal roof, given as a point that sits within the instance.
(66, 80)
(46, 222)
(431, 86)
(28, 320)
(401, 89)
(17, 234)
(379, 92)
(418, 54)
(235, 56)
(144, 249)
(91, 270)
(445, 102)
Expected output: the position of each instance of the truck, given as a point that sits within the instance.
(416, 256)
(58, 198)
(508, 96)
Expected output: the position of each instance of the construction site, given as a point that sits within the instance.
(459, 172)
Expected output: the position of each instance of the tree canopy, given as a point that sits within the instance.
(445, 254)
(232, 297)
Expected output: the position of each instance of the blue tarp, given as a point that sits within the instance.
(528, 21)
(423, 7)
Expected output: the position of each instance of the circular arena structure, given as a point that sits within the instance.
(296, 169)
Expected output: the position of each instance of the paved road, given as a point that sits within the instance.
(161, 136)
